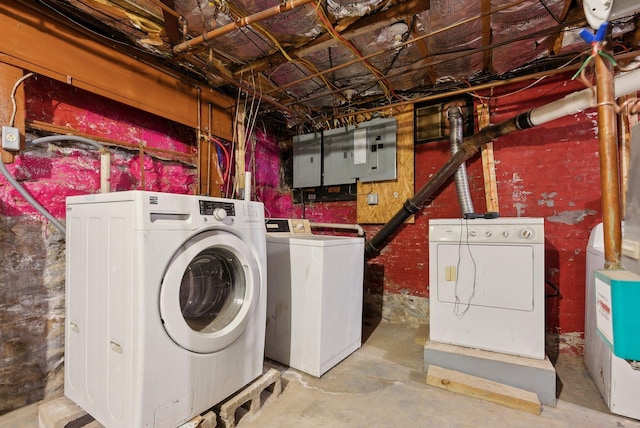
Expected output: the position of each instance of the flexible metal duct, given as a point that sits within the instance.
(462, 181)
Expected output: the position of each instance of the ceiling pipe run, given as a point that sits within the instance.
(414, 67)
(576, 102)
(395, 47)
(242, 22)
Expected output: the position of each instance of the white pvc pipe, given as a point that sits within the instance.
(576, 102)
(105, 171)
(247, 186)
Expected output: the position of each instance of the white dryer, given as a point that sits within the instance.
(165, 304)
(486, 281)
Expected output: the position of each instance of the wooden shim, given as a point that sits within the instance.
(488, 165)
(483, 389)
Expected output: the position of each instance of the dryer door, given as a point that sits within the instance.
(210, 291)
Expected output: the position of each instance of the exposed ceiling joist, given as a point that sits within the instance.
(299, 57)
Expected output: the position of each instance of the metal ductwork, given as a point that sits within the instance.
(456, 123)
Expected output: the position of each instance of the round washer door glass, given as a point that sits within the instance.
(212, 290)
(209, 291)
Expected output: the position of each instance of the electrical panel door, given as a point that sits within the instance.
(375, 150)
(307, 160)
(338, 157)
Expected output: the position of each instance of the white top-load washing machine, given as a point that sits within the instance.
(486, 282)
(314, 296)
(165, 304)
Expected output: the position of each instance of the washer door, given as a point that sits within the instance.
(209, 291)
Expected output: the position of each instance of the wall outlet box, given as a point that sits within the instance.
(372, 199)
(10, 138)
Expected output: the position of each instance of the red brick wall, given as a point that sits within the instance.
(551, 171)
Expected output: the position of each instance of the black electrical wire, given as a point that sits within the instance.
(549, 11)
(556, 292)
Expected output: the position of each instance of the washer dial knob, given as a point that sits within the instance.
(219, 214)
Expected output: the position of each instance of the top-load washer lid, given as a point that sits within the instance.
(210, 291)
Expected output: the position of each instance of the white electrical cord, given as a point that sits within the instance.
(13, 181)
(13, 97)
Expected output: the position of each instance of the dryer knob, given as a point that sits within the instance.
(219, 214)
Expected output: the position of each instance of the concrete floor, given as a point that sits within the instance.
(383, 385)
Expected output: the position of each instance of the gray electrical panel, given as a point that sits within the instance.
(366, 152)
(307, 160)
(338, 157)
(374, 145)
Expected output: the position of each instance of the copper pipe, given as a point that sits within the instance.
(571, 104)
(242, 22)
(609, 169)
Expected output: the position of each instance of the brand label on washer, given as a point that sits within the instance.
(207, 207)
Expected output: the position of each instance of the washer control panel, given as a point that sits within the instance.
(219, 210)
(289, 225)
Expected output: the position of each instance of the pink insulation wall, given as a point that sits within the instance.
(32, 252)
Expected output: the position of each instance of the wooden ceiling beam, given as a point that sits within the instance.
(38, 43)
(171, 24)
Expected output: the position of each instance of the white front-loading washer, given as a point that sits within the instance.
(165, 304)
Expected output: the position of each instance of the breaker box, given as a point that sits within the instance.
(366, 153)
(338, 157)
(307, 160)
(374, 145)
